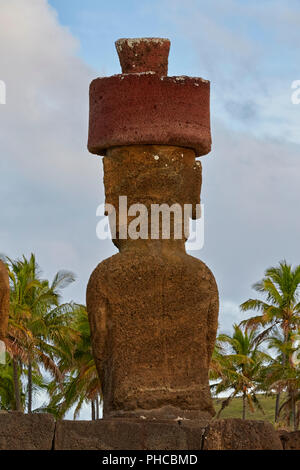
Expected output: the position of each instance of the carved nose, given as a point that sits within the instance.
(140, 55)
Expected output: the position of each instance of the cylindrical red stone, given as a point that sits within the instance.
(143, 55)
(146, 108)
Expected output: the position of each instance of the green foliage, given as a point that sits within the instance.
(44, 334)
(278, 322)
(81, 383)
(241, 365)
(235, 408)
(253, 367)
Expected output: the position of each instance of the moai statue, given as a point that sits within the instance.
(153, 309)
(4, 301)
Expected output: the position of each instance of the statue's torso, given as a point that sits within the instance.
(156, 318)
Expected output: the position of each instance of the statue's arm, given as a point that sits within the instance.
(4, 301)
(97, 307)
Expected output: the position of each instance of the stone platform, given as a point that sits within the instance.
(40, 432)
(19, 431)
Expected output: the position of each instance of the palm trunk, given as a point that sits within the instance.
(277, 407)
(294, 414)
(93, 410)
(29, 386)
(97, 408)
(286, 335)
(16, 385)
(244, 405)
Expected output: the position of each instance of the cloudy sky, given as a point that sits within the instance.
(51, 186)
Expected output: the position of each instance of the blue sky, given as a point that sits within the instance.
(241, 46)
(50, 184)
(98, 24)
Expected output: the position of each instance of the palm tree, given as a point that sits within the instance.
(81, 382)
(7, 395)
(33, 320)
(48, 319)
(285, 378)
(280, 307)
(238, 365)
(20, 284)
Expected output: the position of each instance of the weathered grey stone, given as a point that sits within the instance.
(20, 431)
(129, 434)
(139, 434)
(290, 440)
(239, 434)
(39, 432)
(153, 309)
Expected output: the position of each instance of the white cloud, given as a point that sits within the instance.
(251, 178)
(50, 184)
(250, 54)
(251, 197)
(44, 123)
